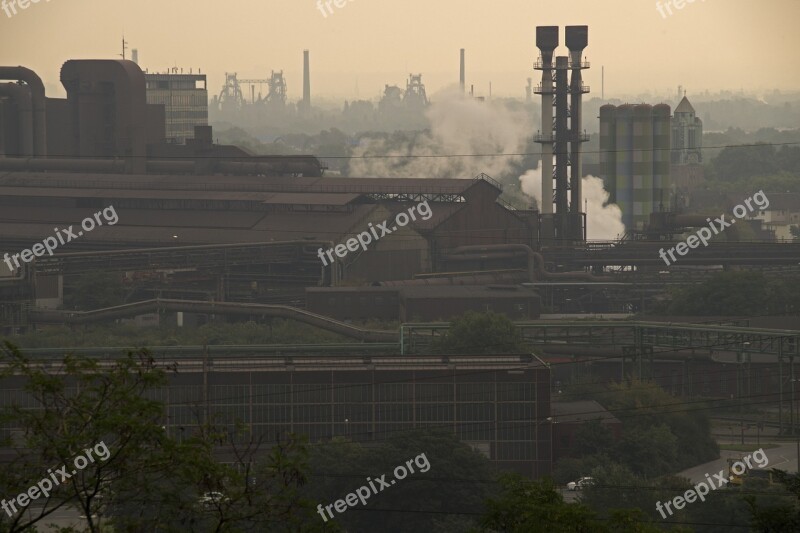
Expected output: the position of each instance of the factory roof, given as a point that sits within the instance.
(183, 226)
(238, 183)
(581, 411)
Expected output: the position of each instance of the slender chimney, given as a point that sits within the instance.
(463, 72)
(546, 42)
(306, 82)
(135, 55)
(577, 39)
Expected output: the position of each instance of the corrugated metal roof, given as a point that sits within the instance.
(581, 411)
(295, 198)
(236, 183)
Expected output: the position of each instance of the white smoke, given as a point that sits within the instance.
(459, 126)
(603, 220)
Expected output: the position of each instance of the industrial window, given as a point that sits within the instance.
(475, 392)
(434, 392)
(231, 414)
(311, 413)
(434, 412)
(311, 393)
(394, 412)
(514, 392)
(230, 394)
(395, 392)
(515, 411)
(468, 412)
(352, 412)
(475, 431)
(352, 393)
(270, 394)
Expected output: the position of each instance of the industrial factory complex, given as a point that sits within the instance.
(211, 232)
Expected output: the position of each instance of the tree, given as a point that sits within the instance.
(147, 479)
(481, 333)
(527, 506)
(777, 514)
(445, 498)
(745, 161)
(592, 438)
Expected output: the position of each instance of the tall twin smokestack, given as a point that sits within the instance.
(463, 72)
(306, 82)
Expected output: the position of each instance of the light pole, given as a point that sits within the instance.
(794, 431)
(740, 386)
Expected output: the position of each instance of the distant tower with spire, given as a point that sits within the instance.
(687, 135)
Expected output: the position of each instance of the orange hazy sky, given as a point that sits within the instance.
(711, 44)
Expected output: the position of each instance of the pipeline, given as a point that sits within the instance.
(39, 119)
(42, 316)
(477, 279)
(536, 270)
(111, 166)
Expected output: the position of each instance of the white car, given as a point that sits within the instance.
(212, 499)
(578, 485)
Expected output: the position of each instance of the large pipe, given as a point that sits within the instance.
(74, 165)
(21, 96)
(535, 261)
(36, 87)
(476, 279)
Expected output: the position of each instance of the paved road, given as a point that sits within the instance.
(783, 457)
(64, 517)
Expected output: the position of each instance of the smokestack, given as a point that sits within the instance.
(577, 38)
(306, 82)
(546, 42)
(463, 72)
(135, 55)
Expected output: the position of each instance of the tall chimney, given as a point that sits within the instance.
(546, 42)
(135, 55)
(463, 72)
(306, 82)
(577, 39)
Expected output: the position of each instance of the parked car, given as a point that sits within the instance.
(579, 484)
(212, 499)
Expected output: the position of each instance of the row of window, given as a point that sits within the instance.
(358, 412)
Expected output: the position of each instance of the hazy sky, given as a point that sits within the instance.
(711, 44)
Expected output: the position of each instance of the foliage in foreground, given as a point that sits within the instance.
(150, 480)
